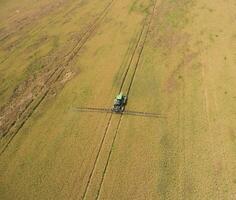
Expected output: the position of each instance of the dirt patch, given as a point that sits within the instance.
(22, 98)
(67, 76)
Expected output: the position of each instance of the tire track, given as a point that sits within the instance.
(69, 56)
(107, 125)
(97, 156)
(18, 128)
(146, 24)
(131, 58)
(141, 51)
(51, 81)
(110, 119)
(109, 156)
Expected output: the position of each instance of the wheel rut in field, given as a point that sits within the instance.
(8, 133)
(98, 153)
(132, 64)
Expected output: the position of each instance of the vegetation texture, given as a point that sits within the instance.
(172, 57)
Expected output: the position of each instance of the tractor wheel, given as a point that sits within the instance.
(125, 100)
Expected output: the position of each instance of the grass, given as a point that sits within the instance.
(190, 154)
(140, 7)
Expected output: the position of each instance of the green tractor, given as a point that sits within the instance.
(119, 103)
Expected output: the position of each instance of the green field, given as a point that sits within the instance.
(175, 58)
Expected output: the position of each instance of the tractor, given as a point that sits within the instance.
(119, 103)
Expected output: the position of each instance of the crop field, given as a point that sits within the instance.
(174, 59)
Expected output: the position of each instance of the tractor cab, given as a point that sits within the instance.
(119, 103)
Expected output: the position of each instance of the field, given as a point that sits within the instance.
(175, 58)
